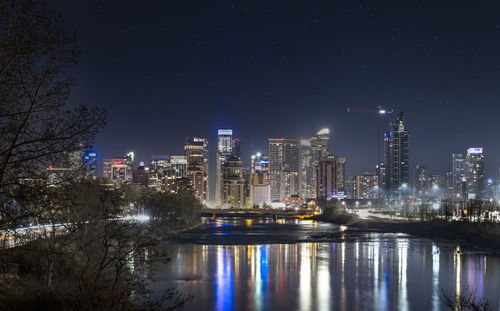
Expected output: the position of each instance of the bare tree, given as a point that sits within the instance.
(88, 259)
(174, 211)
(466, 301)
(99, 263)
(424, 210)
(36, 130)
(448, 208)
(476, 209)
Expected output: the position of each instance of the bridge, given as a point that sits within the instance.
(254, 213)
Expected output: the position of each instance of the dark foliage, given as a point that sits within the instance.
(466, 301)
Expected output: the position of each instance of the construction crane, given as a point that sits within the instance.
(380, 112)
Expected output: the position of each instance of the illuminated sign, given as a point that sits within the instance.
(118, 161)
(90, 156)
(264, 161)
(225, 132)
(475, 150)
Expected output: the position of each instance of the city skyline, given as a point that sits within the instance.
(293, 167)
(296, 72)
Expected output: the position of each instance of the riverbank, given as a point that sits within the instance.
(481, 235)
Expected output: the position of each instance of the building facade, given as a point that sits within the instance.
(313, 150)
(459, 176)
(326, 178)
(224, 151)
(196, 151)
(284, 167)
(364, 186)
(118, 169)
(396, 151)
(179, 164)
(233, 184)
(421, 182)
(260, 191)
(476, 183)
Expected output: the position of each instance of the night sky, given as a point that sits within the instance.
(165, 70)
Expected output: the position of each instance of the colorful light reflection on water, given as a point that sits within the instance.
(370, 272)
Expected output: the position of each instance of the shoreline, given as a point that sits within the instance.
(484, 236)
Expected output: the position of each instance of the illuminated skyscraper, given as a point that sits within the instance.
(341, 180)
(449, 184)
(233, 184)
(284, 167)
(459, 178)
(196, 151)
(225, 141)
(364, 186)
(90, 161)
(140, 175)
(380, 170)
(327, 173)
(476, 183)
(259, 189)
(236, 147)
(396, 147)
(421, 182)
(312, 151)
(224, 150)
(319, 145)
(179, 164)
(196, 173)
(307, 171)
(159, 172)
(258, 162)
(118, 169)
(129, 161)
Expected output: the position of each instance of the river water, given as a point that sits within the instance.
(260, 264)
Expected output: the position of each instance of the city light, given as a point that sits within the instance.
(225, 132)
(324, 131)
(138, 217)
(475, 150)
(131, 155)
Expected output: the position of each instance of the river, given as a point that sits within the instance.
(261, 264)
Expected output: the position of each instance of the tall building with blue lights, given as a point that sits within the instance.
(396, 162)
(225, 148)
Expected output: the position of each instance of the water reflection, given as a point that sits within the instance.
(458, 268)
(402, 270)
(224, 291)
(435, 277)
(371, 272)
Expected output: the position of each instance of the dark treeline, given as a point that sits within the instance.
(98, 262)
